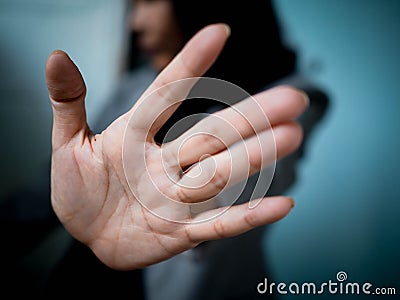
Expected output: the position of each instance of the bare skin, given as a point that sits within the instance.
(90, 193)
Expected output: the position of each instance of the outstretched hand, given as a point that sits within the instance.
(103, 208)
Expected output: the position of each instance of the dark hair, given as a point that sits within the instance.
(254, 54)
(253, 57)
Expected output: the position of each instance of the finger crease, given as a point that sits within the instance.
(219, 229)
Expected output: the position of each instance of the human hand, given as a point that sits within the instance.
(103, 207)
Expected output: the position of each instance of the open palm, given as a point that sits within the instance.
(132, 217)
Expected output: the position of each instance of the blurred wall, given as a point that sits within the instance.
(91, 31)
(347, 214)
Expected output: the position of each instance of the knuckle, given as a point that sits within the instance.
(254, 163)
(219, 180)
(183, 195)
(219, 229)
(210, 139)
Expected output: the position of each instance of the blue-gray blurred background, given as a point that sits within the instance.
(347, 212)
(347, 216)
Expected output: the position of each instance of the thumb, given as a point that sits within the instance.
(67, 93)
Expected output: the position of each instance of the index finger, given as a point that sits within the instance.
(159, 101)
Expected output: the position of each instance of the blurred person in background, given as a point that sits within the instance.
(255, 58)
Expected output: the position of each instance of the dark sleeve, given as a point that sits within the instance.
(286, 168)
(26, 223)
(26, 217)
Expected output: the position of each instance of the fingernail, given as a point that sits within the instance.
(227, 28)
(57, 51)
(54, 52)
(292, 200)
(306, 98)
